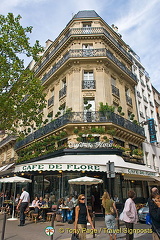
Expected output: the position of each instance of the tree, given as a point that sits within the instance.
(21, 93)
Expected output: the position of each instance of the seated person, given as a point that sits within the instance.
(17, 199)
(47, 208)
(64, 211)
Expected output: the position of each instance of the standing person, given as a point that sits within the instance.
(70, 204)
(154, 210)
(81, 217)
(130, 214)
(153, 191)
(23, 203)
(108, 205)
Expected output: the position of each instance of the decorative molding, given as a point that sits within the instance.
(106, 70)
(57, 82)
(130, 109)
(76, 69)
(99, 69)
(62, 101)
(116, 101)
(120, 81)
(88, 94)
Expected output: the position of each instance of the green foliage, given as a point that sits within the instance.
(111, 132)
(75, 131)
(119, 109)
(21, 94)
(132, 116)
(137, 152)
(105, 108)
(79, 139)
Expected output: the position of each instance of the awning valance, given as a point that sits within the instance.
(140, 178)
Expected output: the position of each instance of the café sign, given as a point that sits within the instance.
(90, 145)
(58, 167)
(140, 172)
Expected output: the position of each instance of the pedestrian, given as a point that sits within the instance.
(70, 204)
(81, 217)
(130, 214)
(23, 204)
(110, 212)
(154, 210)
(153, 191)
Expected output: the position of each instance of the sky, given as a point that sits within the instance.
(138, 22)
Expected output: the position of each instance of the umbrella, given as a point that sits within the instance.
(15, 180)
(85, 181)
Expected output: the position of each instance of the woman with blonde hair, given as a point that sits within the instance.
(110, 209)
(81, 217)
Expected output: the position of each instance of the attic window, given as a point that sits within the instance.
(86, 24)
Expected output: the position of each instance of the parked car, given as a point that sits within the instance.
(142, 213)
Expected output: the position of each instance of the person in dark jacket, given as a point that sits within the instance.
(154, 210)
(81, 217)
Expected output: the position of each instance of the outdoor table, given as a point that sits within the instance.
(44, 210)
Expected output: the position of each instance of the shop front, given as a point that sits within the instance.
(50, 176)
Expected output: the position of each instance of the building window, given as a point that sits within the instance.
(128, 98)
(51, 99)
(89, 110)
(88, 80)
(63, 90)
(87, 50)
(86, 28)
(115, 90)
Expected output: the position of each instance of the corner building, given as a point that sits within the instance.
(87, 66)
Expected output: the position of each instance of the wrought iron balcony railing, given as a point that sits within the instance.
(128, 99)
(79, 53)
(82, 117)
(88, 84)
(115, 90)
(51, 101)
(82, 31)
(62, 92)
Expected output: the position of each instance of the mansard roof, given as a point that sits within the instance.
(86, 14)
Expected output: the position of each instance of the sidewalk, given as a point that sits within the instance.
(63, 231)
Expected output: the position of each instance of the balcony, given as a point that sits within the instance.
(62, 92)
(115, 91)
(79, 53)
(88, 84)
(51, 101)
(82, 31)
(80, 118)
(128, 100)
